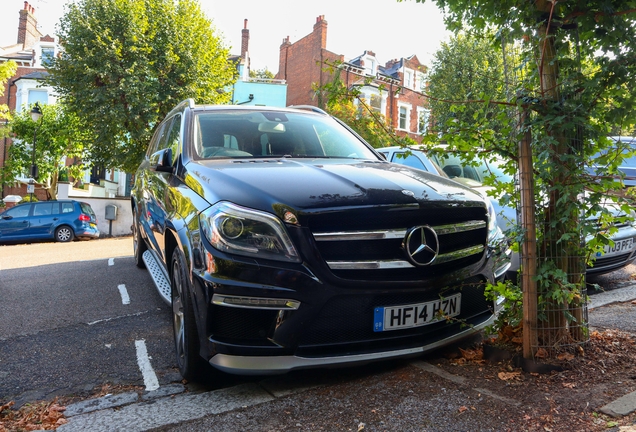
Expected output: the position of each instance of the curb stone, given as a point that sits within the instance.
(138, 417)
(119, 400)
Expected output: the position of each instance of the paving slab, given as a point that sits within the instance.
(622, 406)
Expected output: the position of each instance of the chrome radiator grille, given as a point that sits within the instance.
(426, 243)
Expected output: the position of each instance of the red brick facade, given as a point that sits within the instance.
(302, 64)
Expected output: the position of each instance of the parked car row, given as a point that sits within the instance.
(62, 221)
(619, 254)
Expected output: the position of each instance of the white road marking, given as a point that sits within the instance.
(150, 378)
(111, 261)
(124, 294)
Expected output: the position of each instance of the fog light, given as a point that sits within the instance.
(255, 302)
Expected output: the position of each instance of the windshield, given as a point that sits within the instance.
(253, 133)
(455, 166)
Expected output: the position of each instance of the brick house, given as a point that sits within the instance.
(32, 52)
(394, 89)
(301, 64)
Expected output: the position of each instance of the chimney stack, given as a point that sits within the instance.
(28, 33)
(245, 39)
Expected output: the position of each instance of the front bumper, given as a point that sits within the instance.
(605, 264)
(265, 365)
(319, 322)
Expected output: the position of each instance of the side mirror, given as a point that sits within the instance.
(162, 161)
(7, 217)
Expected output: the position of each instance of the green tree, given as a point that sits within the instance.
(262, 73)
(58, 136)
(126, 63)
(464, 68)
(573, 88)
(7, 70)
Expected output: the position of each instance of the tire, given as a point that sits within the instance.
(186, 337)
(64, 234)
(139, 244)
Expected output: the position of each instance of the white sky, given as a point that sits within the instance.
(386, 27)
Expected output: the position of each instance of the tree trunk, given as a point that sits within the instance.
(563, 253)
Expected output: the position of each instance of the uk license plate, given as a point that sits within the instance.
(416, 315)
(619, 247)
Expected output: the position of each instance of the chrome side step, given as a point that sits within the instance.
(159, 276)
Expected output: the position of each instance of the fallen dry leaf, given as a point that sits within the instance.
(541, 353)
(565, 356)
(36, 416)
(506, 376)
(462, 409)
(569, 385)
(468, 354)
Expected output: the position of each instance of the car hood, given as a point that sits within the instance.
(305, 185)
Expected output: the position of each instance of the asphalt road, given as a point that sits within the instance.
(75, 317)
(78, 316)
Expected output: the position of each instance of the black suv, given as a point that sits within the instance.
(282, 240)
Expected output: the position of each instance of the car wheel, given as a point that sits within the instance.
(186, 338)
(139, 244)
(64, 234)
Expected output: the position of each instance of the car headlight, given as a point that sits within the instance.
(243, 231)
(493, 228)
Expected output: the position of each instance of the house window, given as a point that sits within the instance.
(375, 102)
(423, 116)
(421, 81)
(40, 96)
(369, 66)
(403, 121)
(47, 56)
(408, 78)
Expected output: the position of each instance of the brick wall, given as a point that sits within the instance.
(300, 64)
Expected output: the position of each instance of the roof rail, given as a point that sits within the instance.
(310, 108)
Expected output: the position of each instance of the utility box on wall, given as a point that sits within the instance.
(111, 212)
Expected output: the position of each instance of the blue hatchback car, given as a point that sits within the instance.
(61, 221)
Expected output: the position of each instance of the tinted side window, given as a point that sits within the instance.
(44, 209)
(159, 138)
(410, 160)
(67, 207)
(20, 211)
(87, 209)
(174, 136)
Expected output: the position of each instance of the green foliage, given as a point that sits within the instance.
(262, 73)
(126, 63)
(348, 105)
(511, 310)
(58, 135)
(7, 70)
(29, 198)
(465, 68)
(573, 74)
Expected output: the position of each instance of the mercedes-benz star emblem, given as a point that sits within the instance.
(422, 245)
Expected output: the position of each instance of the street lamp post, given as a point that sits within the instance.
(36, 115)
